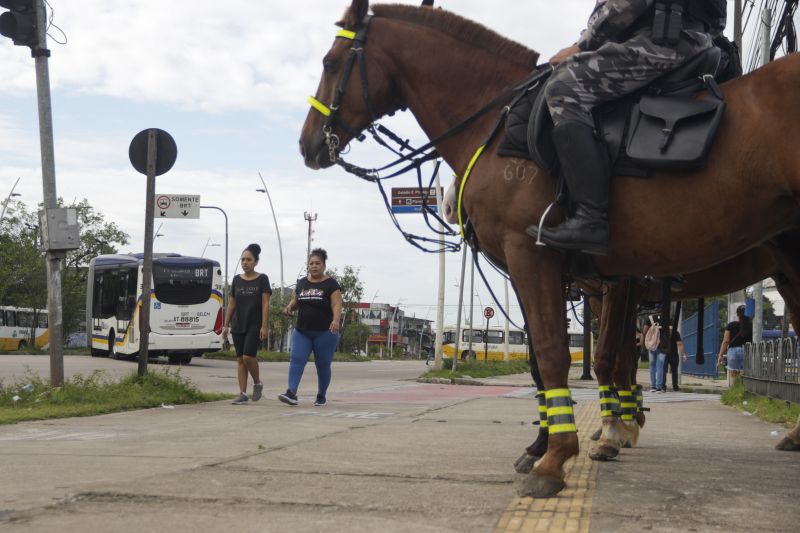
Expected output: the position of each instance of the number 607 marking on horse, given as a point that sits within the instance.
(520, 170)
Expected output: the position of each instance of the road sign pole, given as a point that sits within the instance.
(486, 342)
(147, 267)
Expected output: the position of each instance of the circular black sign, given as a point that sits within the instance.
(166, 151)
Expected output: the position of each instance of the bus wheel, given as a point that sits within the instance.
(22, 345)
(98, 353)
(179, 359)
(468, 355)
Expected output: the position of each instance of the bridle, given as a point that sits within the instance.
(331, 112)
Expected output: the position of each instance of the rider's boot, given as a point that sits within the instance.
(586, 169)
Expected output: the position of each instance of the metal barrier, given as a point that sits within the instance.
(772, 368)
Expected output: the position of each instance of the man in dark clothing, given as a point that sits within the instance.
(676, 349)
(617, 54)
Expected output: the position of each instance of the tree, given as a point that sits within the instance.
(354, 337)
(352, 291)
(23, 271)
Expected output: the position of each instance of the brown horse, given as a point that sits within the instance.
(443, 68)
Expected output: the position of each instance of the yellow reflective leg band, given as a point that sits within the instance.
(472, 162)
(637, 392)
(560, 415)
(542, 410)
(609, 404)
(628, 404)
(319, 106)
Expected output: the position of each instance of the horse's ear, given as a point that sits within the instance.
(354, 14)
(428, 3)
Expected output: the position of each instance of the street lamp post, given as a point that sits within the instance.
(208, 243)
(280, 247)
(8, 199)
(225, 285)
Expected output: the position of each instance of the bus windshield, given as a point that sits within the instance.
(179, 282)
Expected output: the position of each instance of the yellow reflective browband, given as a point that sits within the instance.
(346, 34)
(319, 106)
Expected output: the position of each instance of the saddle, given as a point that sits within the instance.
(661, 127)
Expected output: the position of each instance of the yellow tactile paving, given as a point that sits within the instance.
(569, 511)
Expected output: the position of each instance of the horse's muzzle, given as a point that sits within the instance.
(315, 153)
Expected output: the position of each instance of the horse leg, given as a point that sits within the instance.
(537, 275)
(791, 442)
(524, 464)
(612, 322)
(596, 305)
(630, 400)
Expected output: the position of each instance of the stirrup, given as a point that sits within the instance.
(541, 223)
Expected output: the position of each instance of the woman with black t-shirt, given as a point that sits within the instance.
(318, 299)
(248, 306)
(737, 334)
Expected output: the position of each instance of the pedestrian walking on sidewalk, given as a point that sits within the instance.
(318, 300)
(671, 361)
(737, 334)
(246, 319)
(656, 355)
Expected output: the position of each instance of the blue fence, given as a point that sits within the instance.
(711, 342)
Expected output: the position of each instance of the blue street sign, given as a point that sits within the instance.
(400, 209)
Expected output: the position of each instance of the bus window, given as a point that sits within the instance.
(10, 318)
(41, 321)
(477, 335)
(516, 337)
(494, 336)
(24, 319)
(575, 340)
(183, 283)
(449, 337)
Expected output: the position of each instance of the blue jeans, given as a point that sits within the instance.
(323, 344)
(735, 358)
(656, 368)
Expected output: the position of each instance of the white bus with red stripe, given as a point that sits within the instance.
(186, 306)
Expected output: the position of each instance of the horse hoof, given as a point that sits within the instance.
(603, 453)
(787, 445)
(596, 435)
(536, 486)
(524, 464)
(640, 419)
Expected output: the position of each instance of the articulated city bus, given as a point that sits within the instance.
(486, 343)
(17, 328)
(185, 312)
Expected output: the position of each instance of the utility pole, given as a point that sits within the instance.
(25, 23)
(737, 24)
(758, 288)
(310, 219)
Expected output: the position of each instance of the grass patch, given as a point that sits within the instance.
(32, 398)
(278, 357)
(478, 369)
(776, 411)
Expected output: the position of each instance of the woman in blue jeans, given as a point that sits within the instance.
(656, 359)
(318, 300)
(737, 334)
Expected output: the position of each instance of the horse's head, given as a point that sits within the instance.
(354, 91)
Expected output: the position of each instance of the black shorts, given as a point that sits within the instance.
(246, 343)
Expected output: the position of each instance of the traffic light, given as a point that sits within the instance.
(19, 23)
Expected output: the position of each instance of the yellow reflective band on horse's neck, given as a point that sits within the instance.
(346, 34)
(463, 183)
(319, 106)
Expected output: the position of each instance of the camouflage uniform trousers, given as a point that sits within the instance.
(589, 79)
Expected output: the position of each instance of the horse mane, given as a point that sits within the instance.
(455, 26)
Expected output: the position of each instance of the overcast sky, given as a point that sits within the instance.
(229, 81)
